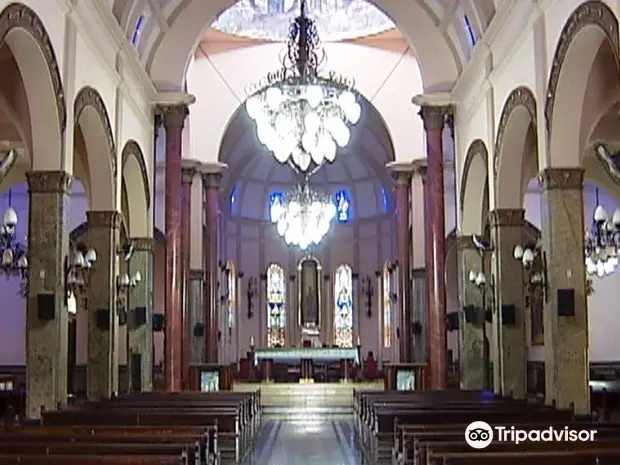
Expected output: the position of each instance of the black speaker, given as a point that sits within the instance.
(452, 321)
(103, 319)
(566, 302)
(488, 316)
(199, 330)
(416, 327)
(470, 313)
(158, 322)
(122, 316)
(46, 306)
(509, 315)
(139, 316)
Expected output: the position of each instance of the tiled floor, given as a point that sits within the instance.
(311, 441)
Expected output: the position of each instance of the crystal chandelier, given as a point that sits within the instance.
(301, 114)
(304, 217)
(602, 241)
(14, 257)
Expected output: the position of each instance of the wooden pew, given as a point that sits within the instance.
(590, 456)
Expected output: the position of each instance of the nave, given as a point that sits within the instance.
(309, 440)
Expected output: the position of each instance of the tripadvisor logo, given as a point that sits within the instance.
(480, 434)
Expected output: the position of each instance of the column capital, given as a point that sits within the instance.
(465, 242)
(197, 275)
(174, 115)
(143, 244)
(189, 168)
(104, 219)
(212, 173)
(506, 217)
(561, 178)
(49, 181)
(433, 109)
(401, 172)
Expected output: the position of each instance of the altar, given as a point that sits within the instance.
(306, 358)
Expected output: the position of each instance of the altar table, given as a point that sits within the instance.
(306, 357)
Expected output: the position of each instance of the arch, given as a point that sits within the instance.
(139, 200)
(591, 13)
(276, 306)
(517, 118)
(343, 306)
(474, 187)
(91, 115)
(25, 34)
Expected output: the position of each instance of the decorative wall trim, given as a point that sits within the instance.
(519, 97)
(590, 13)
(89, 97)
(477, 147)
(510, 217)
(19, 16)
(132, 149)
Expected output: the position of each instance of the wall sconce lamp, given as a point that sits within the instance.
(479, 279)
(124, 286)
(252, 292)
(368, 291)
(533, 278)
(77, 270)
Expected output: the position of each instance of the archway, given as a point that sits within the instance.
(474, 194)
(92, 120)
(136, 185)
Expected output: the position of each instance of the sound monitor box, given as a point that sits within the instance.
(488, 316)
(470, 313)
(509, 315)
(566, 302)
(122, 316)
(103, 319)
(139, 316)
(416, 327)
(46, 306)
(158, 322)
(199, 330)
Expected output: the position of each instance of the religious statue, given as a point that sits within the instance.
(310, 306)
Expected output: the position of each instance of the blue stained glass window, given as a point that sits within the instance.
(343, 311)
(233, 199)
(136, 33)
(276, 301)
(470, 31)
(386, 200)
(276, 205)
(343, 206)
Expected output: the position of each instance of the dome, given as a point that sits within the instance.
(254, 175)
(335, 20)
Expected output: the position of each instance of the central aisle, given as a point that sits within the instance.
(312, 441)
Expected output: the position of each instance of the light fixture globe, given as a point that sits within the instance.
(302, 116)
(304, 218)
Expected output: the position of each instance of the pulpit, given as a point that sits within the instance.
(404, 376)
(209, 377)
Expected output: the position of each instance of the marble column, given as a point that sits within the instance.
(48, 244)
(434, 118)
(211, 176)
(566, 337)
(402, 173)
(102, 363)
(174, 120)
(140, 323)
(187, 177)
(196, 317)
(509, 344)
(472, 333)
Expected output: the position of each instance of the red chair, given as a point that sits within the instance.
(370, 368)
(244, 369)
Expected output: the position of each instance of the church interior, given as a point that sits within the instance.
(309, 231)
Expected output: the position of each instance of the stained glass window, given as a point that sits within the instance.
(136, 33)
(232, 295)
(343, 206)
(276, 204)
(387, 306)
(386, 200)
(470, 31)
(276, 305)
(233, 200)
(343, 311)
